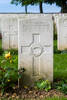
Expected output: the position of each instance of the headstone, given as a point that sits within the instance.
(36, 47)
(62, 32)
(9, 28)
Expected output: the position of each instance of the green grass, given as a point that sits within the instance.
(55, 98)
(60, 64)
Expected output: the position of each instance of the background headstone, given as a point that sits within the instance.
(36, 47)
(9, 28)
(62, 32)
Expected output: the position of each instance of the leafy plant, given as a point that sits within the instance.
(9, 77)
(9, 72)
(43, 84)
(1, 51)
(62, 86)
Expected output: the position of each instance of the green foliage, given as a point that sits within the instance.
(25, 2)
(62, 86)
(43, 84)
(56, 51)
(1, 51)
(28, 2)
(8, 78)
(0, 43)
(61, 3)
(55, 98)
(55, 31)
(9, 73)
(13, 51)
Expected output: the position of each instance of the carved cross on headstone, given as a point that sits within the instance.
(35, 50)
(12, 34)
(8, 34)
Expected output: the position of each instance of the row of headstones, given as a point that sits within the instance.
(32, 34)
(9, 25)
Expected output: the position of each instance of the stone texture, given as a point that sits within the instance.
(9, 29)
(62, 32)
(10, 37)
(36, 47)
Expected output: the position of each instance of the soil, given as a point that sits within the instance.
(30, 93)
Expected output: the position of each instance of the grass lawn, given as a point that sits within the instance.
(55, 98)
(60, 64)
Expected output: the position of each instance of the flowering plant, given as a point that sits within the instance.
(9, 72)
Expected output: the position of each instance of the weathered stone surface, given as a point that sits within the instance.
(9, 28)
(10, 37)
(36, 47)
(62, 32)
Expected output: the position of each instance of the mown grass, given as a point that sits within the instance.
(55, 98)
(60, 64)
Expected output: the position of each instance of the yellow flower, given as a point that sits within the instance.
(7, 55)
(8, 80)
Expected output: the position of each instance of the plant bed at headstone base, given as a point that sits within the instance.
(9, 76)
(8, 82)
(31, 94)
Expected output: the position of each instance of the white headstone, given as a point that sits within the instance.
(62, 32)
(36, 47)
(9, 28)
